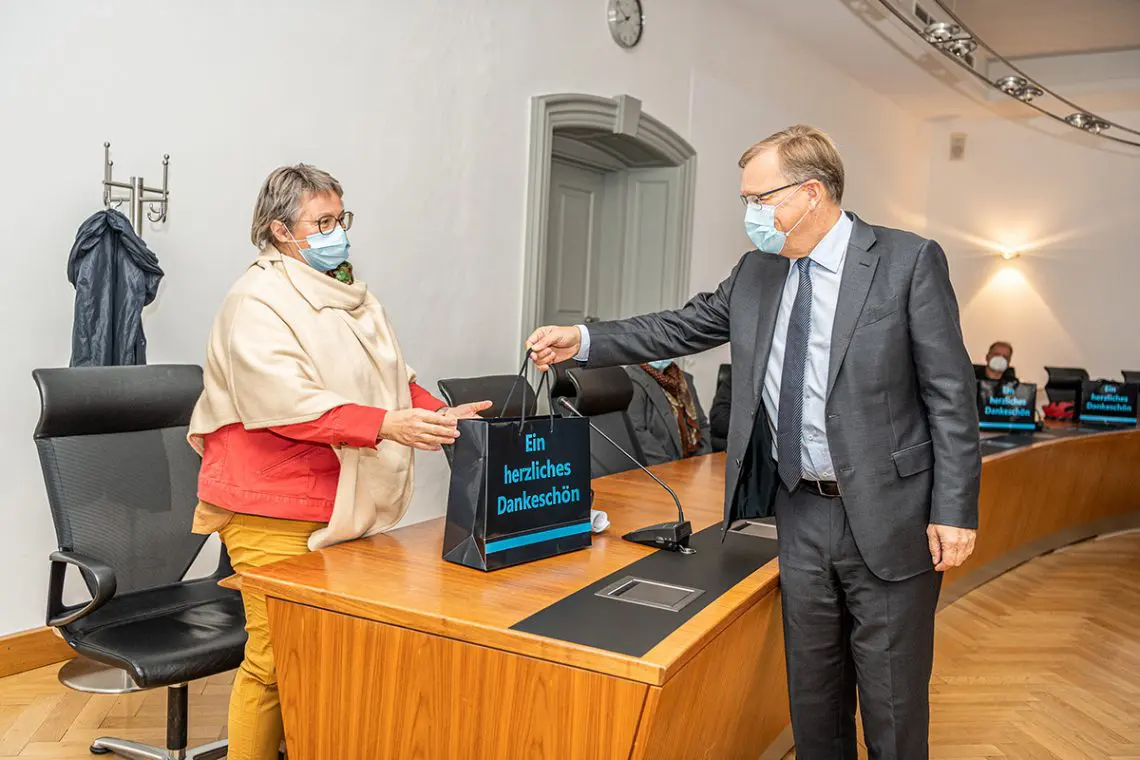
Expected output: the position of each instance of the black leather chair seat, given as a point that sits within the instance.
(167, 635)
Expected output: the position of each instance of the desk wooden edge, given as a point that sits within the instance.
(659, 665)
(1055, 441)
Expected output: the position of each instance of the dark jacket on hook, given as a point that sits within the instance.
(115, 275)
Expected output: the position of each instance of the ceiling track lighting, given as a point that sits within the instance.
(956, 41)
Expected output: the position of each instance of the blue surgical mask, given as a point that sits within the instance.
(661, 365)
(760, 224)
(326, 252)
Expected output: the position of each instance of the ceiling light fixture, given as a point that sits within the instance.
(957, 42)
(1029, 92)
(1087, 122)
(961, 48)
(1011, 85)
(1010, 255)
(940, 32)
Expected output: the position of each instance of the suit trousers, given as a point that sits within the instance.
(848, 632)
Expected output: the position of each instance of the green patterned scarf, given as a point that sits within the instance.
(342, 273)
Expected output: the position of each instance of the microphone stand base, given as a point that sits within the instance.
(670, 536)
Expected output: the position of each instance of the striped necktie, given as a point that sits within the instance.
(789, 427)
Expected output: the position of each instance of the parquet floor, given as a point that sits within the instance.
(1041, 664)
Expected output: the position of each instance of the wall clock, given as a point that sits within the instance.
(626, 22)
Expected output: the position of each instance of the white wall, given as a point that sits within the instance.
(421, 110)
(1071, 205)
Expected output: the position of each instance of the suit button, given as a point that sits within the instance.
(738, 461)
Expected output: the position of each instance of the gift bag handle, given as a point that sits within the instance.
(543, 381)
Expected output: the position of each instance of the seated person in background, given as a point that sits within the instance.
(666, 415)
(997, 363)
(720, 412)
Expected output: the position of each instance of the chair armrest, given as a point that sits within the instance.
(100, 580)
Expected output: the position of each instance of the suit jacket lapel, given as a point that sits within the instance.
(773, 273)
(858, 272)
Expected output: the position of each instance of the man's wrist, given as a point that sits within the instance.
(583, 344)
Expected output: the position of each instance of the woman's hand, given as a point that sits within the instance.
(419, 428)
(466, 411)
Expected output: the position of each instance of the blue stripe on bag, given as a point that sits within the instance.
(536, 538)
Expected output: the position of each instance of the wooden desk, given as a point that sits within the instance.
(385, 651)
(1048, 495)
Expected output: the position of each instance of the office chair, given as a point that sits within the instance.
(980, 371)
(604, 396)
(1064, 383)
(723, 377)
(493, 388)
(723, 374)
(122, 486)
(1131, 375)
(560, 380)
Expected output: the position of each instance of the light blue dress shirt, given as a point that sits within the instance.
(826, 273)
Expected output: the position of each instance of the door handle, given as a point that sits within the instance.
(591, 320)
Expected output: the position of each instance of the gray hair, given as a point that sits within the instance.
(805, 153)
(282, 194)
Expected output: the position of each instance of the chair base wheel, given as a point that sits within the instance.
(136, 751)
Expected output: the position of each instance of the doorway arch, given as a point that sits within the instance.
(602, 133)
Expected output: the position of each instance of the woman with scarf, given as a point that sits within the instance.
(308, 420)
(666, 414)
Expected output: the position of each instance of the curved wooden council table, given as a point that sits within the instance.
(386, 651)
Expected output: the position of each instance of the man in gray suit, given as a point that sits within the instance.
(853, 421)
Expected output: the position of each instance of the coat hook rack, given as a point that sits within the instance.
(138, 195)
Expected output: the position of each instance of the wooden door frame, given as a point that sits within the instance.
(621, 115)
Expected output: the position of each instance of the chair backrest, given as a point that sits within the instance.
(121, 480)
(604, 396)
(1067, 373)
(562, 387)
(1064, 383)
(723, 375)
(1131, 375)
(493, 388)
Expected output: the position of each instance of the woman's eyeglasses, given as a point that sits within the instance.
(327, 223)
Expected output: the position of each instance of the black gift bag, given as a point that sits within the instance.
(520, 489)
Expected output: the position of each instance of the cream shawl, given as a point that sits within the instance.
(290, 344)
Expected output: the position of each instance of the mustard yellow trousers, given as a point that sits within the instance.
(255, 725)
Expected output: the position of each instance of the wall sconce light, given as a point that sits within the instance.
(1010, 254)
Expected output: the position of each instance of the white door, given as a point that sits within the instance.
(650, 266)
(573, 244)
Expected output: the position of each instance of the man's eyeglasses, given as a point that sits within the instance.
(327, 223)
(750, 200)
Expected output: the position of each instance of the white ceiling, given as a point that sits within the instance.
(863, 39)
(1026, 28)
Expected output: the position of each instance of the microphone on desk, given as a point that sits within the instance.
(671, 536)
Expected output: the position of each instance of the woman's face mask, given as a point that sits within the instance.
(326, 251)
